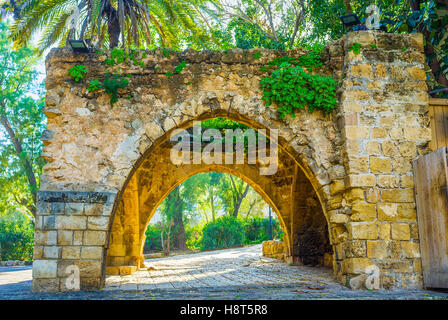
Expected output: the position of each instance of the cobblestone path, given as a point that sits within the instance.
(240, 273)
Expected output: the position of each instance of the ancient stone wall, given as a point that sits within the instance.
(357, 160)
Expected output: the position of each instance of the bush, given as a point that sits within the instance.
(193, 235)
(16, 238)
(224, 232)
(257, 230)
(153, 241)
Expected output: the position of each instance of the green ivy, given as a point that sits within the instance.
(112, 83)
(291, 88)
(179, 68)
(78, 72)
(257, 55)
(95, 85)
(356, 48)
(166, 52)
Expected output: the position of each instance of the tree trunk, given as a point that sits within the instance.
(113, 25)
(237, 204)
(212, 203)
(434, 63)
(348, 6)
(179, 233)
(26, 165)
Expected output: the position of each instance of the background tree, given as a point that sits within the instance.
(21, 125)
(141, 23)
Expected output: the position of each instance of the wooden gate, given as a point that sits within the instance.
(431, 174)
(438, 114)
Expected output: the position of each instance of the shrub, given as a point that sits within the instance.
(224, 232)
(257, 230)
(193, 235)
(16, 238)
(153, 241)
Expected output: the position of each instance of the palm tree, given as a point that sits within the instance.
(137, 22)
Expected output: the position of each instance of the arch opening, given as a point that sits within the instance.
(289, 192)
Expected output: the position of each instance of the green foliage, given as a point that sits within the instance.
(141, 23)
(117, 56)
(95, 85)
(193, 235)
(257, 55)
(291, 88)
(153, 239)
(356, 48)
(180, 67)
(166, 52)
(112, 83)
(16, 238)
(224, 232)
(257, 230)
(21, 125)
(78, 72)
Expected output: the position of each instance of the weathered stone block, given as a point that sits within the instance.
(356, 132)
(71, 252)
(363, 212)
(74, 208)
(363, 230)
(65, 238)
(71, 222)
(387, 211)
(45, 285)
(360, 180)
(355, 265)
(48, 238)
(407, 212)
(51, 252)
(94, 238)
(401, 231)
(397, 195)
(94, 253)
(43, 269)
(90, 268)
(97, 223)
(380, 165)
(377, 249)
(410, 249)
(384, 231)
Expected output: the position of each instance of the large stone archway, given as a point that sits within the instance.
(156, 176)
(357, 161)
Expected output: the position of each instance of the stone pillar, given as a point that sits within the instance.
(384, 109)
(123, 256)
(70, 235)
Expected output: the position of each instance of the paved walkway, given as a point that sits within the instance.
(240, 273)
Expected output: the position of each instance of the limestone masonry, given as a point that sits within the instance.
(343, 191)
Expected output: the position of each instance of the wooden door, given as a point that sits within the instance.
(430, 175)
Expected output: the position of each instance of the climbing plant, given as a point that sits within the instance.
(291, 87)
(78, 72)
(114, 80)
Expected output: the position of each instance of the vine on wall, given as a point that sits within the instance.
(114, 80)
(291, 87)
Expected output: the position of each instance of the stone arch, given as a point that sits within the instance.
(358, 160)
(277, 190)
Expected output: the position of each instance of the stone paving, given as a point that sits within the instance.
(240, 273)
